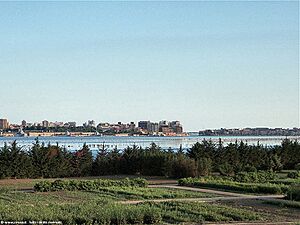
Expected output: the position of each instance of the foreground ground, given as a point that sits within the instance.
(161, 202)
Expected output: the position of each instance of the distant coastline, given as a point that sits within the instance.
(207, 133)
(83, 134)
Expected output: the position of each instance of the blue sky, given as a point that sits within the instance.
(208, 64)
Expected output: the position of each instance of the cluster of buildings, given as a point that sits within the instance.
(46, 124)
(89, 128)
(260, 131)
(117, 128)
(163, 126)
(146, 127)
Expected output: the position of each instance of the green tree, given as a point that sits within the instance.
(204, 166)
(15, 162)
(83, 161)
(40, 161)
(181, 167)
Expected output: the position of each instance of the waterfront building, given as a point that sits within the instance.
(29, 124)
(4, 124)
(45, 123)
(176, 127)
(58, 124)
(178, 130)
(14, 126)
(154, 127)
(165, 129)
(24, 123)
(164, 123)
(144, 125)
(51, 124)
(71, 124)
(103, 127)
(90, 123)
(132, 126)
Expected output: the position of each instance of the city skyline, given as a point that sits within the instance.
(95, 123)
(207, 64)
(90, 128)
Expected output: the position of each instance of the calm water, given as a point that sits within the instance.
(110, 142)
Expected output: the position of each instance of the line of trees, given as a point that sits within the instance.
(202, 159)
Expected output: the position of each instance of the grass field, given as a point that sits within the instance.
(81, 207)
(108, 193)
(102, 206)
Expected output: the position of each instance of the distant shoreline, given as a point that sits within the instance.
(92, 134)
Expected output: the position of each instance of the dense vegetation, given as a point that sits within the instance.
(225, 184)
(201, 160)
(123, 189)
(87, 185)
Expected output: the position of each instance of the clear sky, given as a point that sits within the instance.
(207, 64)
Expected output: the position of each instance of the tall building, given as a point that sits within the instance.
(145, 125)
(132, 125)
(24, 123)
(45, 123)
(154, 127)
(176, 127)
(164, 123)
(72, 124)
(4, 124)
(165, 129)
(90, 123)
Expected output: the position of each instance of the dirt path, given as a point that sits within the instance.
(211, 191)
(214, 199)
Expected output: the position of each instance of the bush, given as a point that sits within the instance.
(297, 166)
(294, 174)
(43, 186)
(72, 185)
(293, 193)
(255, 177)
(182, 167)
